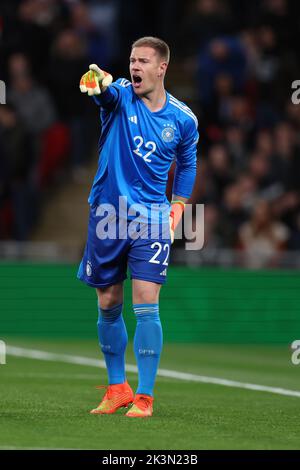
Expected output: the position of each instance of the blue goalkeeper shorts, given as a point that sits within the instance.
(105, 261)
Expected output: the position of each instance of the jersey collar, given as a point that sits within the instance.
(155, 113)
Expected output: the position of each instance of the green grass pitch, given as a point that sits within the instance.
(46, 404)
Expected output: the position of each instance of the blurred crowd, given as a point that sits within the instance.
(241, 59)
(47, 126)
(243, 56)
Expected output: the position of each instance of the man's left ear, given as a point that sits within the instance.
(163, 67)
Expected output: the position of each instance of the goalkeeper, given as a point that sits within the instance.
(144, 129)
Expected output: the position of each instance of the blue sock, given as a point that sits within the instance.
(113, 341)
(148, 341)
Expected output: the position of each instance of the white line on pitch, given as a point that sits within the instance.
(42, 375)
(173, 374)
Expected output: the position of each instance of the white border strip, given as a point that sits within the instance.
(173, 374)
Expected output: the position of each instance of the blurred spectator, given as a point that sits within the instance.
(95, 37)
(293, 114)
(28, 30)
(260, 169)
(18, 202)
(239, 113)
(279, 16)
(205, 20)
(236, 143)
(264, 143)
(267, 61)
(219, 170)
(218, 109)
(67, 64)
(248, 188)
(16, 156)
(31, 101)
(212, 229)
(294, 240)
(233, 213)
(262, 238)
(223, 55)
(105, 15)
(287, 156)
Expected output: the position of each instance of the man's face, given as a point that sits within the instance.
(147, 69)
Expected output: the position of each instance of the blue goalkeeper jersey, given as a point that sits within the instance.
(137, 147)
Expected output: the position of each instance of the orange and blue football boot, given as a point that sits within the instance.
(142, 407)
(116, 396)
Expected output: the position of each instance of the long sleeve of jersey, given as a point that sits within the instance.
(109, 98)
(185, 171)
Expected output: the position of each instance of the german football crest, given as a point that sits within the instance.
(168, 133)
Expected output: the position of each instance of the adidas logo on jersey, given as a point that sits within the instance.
(133, 119)
(163, 273)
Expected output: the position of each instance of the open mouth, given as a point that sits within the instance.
(136, 80)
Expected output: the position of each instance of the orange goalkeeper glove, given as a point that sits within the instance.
(95, 81)
(175, 216)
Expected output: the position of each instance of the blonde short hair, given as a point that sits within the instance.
(160, 46)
